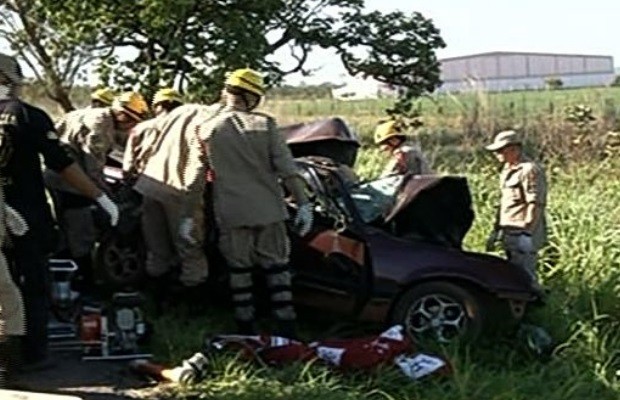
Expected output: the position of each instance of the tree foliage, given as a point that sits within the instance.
(191, 44)
(57, 56)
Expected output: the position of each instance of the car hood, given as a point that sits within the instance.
(434, 208)
(400, 262)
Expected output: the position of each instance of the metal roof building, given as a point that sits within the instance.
(497, 71)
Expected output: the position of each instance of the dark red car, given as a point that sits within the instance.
(388, 250)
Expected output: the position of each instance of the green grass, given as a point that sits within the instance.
(581, 264)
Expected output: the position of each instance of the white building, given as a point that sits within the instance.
(359, 88)
(498, 71)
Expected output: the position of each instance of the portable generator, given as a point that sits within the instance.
(113, 330)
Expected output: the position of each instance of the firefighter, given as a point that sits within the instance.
(140, 143)
(101, 98)
(90, 134)
(173, 162)
(248, 157)
(27, 132)
(166, 100)
(404, 157)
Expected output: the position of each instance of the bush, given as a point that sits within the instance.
(552, 83)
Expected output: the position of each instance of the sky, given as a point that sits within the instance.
(477, 26)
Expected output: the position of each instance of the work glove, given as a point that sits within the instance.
(304, 218)
(492, 240)
(185, 230)
(109, 207)
(15, 222)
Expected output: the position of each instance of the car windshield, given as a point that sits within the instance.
(375, 198)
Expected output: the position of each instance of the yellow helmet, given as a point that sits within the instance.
(167, 94)
(248, 79)
(387, 130)
(132, 104)
(104, 95)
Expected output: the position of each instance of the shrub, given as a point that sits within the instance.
(553, 83)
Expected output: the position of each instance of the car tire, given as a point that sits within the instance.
(120, 261)
(440, 311)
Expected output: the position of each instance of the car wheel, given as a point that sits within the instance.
(120, 261)
(440, 311)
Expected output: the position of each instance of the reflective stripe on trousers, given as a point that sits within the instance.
(279, 287)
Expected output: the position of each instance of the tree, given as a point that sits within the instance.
(192, 43)
(58, 57)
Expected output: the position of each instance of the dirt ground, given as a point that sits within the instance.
(88, 380)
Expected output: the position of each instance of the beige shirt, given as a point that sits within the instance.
(248, 156)
(406, 159)
(90, 134)
(139, 147)
(520, 185)
(176, 156)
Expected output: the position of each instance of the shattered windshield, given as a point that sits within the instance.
(375, 198)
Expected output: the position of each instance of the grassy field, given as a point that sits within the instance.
(581, 264)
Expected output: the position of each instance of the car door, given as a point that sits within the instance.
(330, 264)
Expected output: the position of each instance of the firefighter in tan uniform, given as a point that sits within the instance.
(404, 157)
(102, 97)
(89, 134)
(140, 143)
(174, 161)
(12, 313)
(520, 218)
(248, 157)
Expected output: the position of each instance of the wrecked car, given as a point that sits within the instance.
(387, 250)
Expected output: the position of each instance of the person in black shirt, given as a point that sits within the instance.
(25, 133)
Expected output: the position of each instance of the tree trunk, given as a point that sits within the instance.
(63, 99)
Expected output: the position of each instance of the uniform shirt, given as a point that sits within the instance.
(523, 184)
(139, 148)
(248, 156)
(406, 159)
(25, 133)
(176, 159)
(90, 134)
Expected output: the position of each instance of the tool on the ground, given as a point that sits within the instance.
(190, 370)
(116, 331)
(64, 302)
(111, 331)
